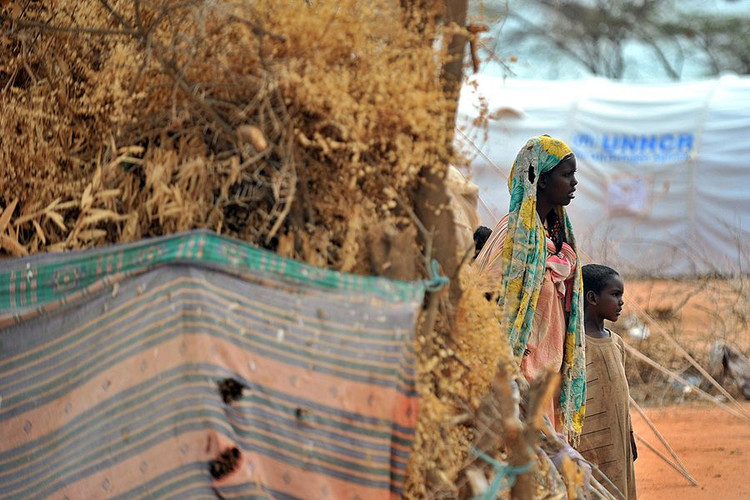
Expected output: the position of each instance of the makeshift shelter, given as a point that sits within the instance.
(132, 120)
(664, 175)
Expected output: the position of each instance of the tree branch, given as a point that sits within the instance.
(67, 29)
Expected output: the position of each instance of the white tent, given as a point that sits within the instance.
(663, 170)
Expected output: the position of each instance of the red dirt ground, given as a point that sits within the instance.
(713, 445)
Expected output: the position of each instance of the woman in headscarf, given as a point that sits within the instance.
(530, 260)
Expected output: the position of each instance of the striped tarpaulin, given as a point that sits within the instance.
(197, 366)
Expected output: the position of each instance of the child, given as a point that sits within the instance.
(481, 235)
(606, 439)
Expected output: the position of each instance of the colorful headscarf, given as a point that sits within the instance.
(523, 259)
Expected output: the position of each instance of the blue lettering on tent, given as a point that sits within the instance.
(630, 143)
(648, 143)
(634, 148)
(685, 142)
(666, 143)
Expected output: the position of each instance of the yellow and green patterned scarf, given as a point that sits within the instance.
(524, 254)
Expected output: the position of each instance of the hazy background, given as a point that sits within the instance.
(636, 41)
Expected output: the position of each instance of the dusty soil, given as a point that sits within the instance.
(713, 445)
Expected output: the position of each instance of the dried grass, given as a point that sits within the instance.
(257, 119)
(456, 369)
(294, 126)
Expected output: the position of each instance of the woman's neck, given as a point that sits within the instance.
(543, 209)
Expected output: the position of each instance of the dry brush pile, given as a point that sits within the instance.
(296, 126)
(286, 124)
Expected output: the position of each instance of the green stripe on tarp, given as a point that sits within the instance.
(40, 279)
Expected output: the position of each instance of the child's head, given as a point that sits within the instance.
(602, 291)
(481, 235)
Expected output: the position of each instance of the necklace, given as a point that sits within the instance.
(555, 232)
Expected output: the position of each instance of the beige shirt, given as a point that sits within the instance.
(605, 439)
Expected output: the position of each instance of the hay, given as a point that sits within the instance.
(456, 368)
(256, 119)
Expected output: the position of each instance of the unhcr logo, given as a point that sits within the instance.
(634, 148)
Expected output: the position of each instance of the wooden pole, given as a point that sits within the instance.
(499, 421)
(674, 376)
(664, 457)
(660, 436)
(691, 360)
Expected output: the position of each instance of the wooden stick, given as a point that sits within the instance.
(555, 442)
(690, 359)
(595, 468)
(674, 376)
(540, 392)
(603, 493)
(659, 435)
(498, 420)
(664, 457)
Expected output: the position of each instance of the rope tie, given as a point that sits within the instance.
(436, 281)
(505, 475)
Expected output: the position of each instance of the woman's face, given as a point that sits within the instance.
(559, 184)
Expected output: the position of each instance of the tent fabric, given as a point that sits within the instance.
(112, 364)
(663, 170)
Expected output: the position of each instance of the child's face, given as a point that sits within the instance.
(609, 303)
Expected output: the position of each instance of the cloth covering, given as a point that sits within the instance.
(112, 363)
(545, 348)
